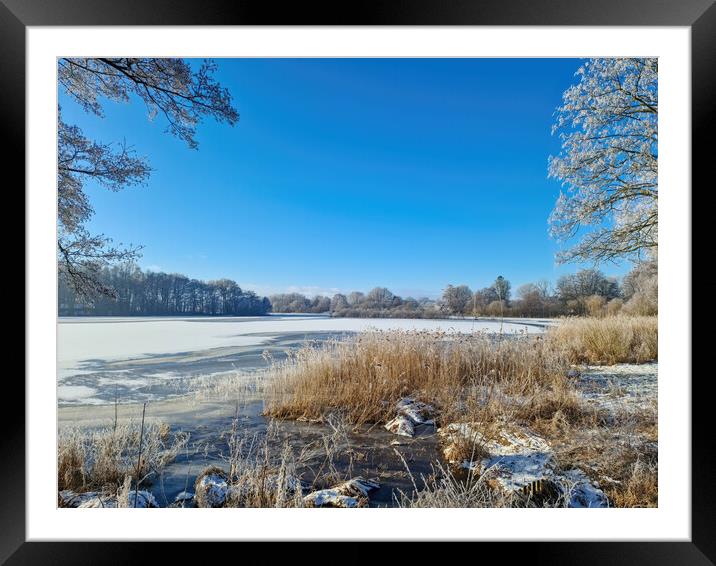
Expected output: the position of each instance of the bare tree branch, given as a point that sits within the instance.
(608, 163)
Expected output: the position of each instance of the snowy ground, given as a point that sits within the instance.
(155, 357)
(624, 387)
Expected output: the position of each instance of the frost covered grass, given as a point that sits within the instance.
(529, 381)
(265, 470)
(600, 422)
(260, 477)
(609, 340)
(444, 489)
(104, 459)
(362, 377)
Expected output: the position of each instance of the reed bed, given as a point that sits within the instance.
(487, 379)
(362, 377)
(609, 340)
(102, 459)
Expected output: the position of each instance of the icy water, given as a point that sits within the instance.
(367, 452)
(100, 359)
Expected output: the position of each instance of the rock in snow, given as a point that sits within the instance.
(357, 487)
(332, 498)
(401, 425)
(517, 457)
(184, 496)
(184, 499)
(95, 500)
(145, 500)
(410, 414)
(518, 462)
(211, 487)
(350, 494)
(417, 412)
(87, 499)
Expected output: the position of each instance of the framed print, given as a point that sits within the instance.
(401, 266)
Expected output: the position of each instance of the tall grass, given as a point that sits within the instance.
(102, 459)
(610, 340)
(445, 490)
(364, 376)
(266, 470)
(486, 379)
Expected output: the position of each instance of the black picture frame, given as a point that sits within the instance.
(699, 15)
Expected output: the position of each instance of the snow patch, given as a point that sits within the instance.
(580, 490)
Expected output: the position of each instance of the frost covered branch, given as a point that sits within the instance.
(608, 162)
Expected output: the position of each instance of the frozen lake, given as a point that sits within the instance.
(143, 358)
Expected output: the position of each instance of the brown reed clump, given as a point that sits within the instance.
(606, 341)
(102, 459)
(364, 376)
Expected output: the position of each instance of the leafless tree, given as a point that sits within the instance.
(457, 299)
(168, 87)
(153, 293)
(608, 162)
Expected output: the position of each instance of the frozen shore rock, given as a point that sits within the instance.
(401, 425)
(515, 460)
(95, 500)
(332, 498)
(410, 413)
(417, 412)
(511, 457)
(350, 494)
(211, 487)
(358, 487)
(184, 499)
(87, 499)
(144, 499)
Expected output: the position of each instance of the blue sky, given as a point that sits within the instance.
(345, 174)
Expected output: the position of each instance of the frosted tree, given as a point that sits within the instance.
(608, 162)
(502, 287)
(380, 297)
(81, 255)
(168, 87)
(339, 302)
(456, 299)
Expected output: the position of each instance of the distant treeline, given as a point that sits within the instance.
(379, 302)
(152, 293)
(587, 292)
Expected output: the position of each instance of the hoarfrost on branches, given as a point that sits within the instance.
(168, 87)
(608, 163)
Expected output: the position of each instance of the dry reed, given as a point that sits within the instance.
(102, 459)
(364, 376)
(610, 340)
